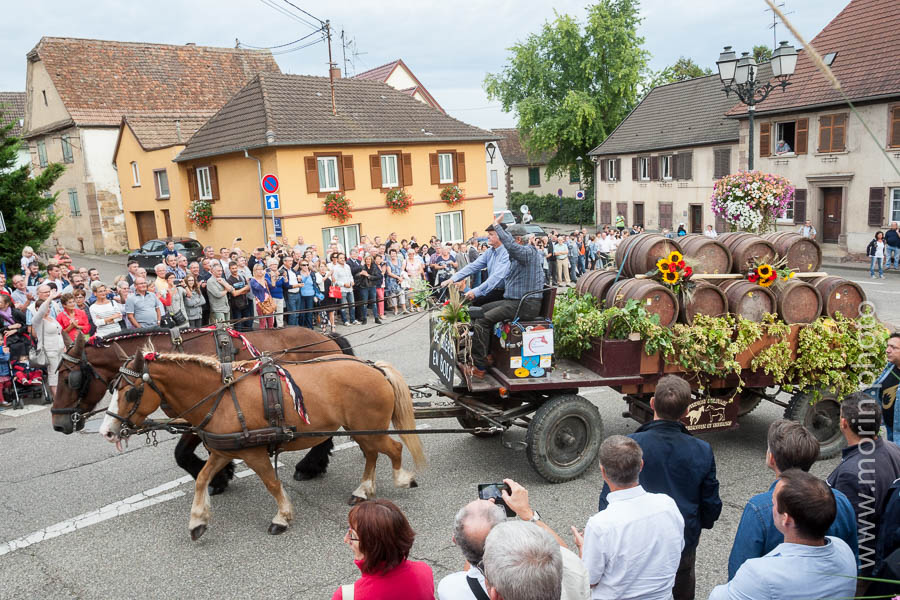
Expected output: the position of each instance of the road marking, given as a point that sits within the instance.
(21, 412)
(131, 504)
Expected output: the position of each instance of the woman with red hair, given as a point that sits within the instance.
(381, 538)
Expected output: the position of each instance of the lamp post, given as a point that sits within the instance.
(578, 161)
(738, 75)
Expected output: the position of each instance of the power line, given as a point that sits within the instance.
(243, 45)
(321, 22)
(307, 45)
(287, 13)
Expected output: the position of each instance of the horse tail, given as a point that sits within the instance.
(342, 342)
(403, 412)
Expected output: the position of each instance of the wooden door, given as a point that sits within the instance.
(621, 209)
(696, 218)
(146, 226)
(831, 217)
(665, 216)
(638, 213)
(165, 213)
(605, 214)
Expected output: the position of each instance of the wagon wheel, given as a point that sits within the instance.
(564, 437)
(748, 399)
(822, 419)
(470, 421)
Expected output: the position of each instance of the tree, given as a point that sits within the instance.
(570, 84)
(762, 53)
(683, 68)
(23, 201)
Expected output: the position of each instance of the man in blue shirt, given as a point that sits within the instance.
(496, 260)
(808, 564)
(885, 389)
(790, 446)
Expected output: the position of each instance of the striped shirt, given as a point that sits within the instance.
(526, 272)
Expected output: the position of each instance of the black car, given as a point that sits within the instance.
(150, 254)
(536, 230)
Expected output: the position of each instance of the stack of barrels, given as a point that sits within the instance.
(795, 301)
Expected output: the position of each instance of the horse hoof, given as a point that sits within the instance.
(304, 475)
(413, 484)
(354, 500)
(276, 529)
(197, 531)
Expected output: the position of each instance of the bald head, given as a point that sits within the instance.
(472, 525)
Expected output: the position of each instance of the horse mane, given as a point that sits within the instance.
(203, 360)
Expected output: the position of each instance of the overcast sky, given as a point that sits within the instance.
(450, 46)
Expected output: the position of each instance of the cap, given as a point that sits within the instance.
(517, 229)
(491, 227)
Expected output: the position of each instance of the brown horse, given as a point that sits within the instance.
(337, 392)
(91, 367)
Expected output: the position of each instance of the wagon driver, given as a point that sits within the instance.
(526, 274)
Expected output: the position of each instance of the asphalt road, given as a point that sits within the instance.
(96, 523)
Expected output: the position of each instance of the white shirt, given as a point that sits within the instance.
(711, 233)
(605, 245)
(633, 548)
(100, 312)
(341, 274)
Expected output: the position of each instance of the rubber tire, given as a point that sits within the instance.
(800, 410)
(542, 432)
(469, 421)
(748, 403)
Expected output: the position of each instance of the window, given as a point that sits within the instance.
(347, 235)
(721, 162)
(666, 166)
(644, 164)
(203, 185)
(44, 94)
(788, 213)
(832, 133)
(136, 175)
(894, 127)
(611, 174)
(449, 226)
(534, 176)
(574, 175)
(42, 153)
(785, 137)
(389, 178)
(328, 173)
(66, 149)
(445, 167)
(162, 183)
(494, 179)
(74, 210)
(895, 205)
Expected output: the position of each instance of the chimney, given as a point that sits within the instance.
(335, 72)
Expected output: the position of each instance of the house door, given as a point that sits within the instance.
(638, 214)
(605, 213)
(621, 209)
(696, 218)
(146, 226)
(665, 216)
(168, 220)
(831, 217)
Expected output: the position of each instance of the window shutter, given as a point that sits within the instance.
(799, 206)
(375, 171)
(214, 182)
(634, 168)
(825, 133)
(156, 183)
(618, 170)
(721, 162)
(687, 165)
(348, 180)
(606, 213)
(876, 206)
(434, 168)
(654, 168)
(895, 127)
(604, 165)
(406, 171)
(802, 136)
(460, 166)
(838, 133)
(192, 184)
(765, 139)
(676, 166)
(312, 174)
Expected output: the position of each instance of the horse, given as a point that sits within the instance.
(88, 369)
(336, 392)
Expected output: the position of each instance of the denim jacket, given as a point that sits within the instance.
(4, 363)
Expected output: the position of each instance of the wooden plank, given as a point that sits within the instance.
(736, 275)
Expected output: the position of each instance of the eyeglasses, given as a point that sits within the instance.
(304, 264)
(350, 536)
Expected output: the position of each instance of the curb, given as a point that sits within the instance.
(857, 266)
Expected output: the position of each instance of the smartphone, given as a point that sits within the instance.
(486, 491)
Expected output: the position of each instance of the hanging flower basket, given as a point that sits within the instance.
(398, 200)
(452, 195)
(200, 213)
(751, 200)
(337, 206)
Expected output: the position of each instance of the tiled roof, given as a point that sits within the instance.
(101, 81)
(681, 114)
(378, 73)
(866, 36)
(514, 154)
(12, 105)
(383, 72)
(159, 131)
(296, 111)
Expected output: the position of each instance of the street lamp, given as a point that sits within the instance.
(578, 161)
(491, 151)
(738, 75)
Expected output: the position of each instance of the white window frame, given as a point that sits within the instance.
(495, 179)
(453, 222)
(135, 174)
(666, 166)
(204, 188)
(322, 163)
(445, 167)
(895, 205)
(390, 175)
(611, 170)
(644, 168)
(348, 237)
(777, 136)
(159, 186)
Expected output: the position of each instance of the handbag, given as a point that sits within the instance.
(334, 292)
(267, 306)
(178, 318)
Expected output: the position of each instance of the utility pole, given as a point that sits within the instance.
(330, 66)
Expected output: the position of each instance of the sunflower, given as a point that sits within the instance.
(675, 256)
(764, 271)
(766, 282)
(663, 265)
(671, 277)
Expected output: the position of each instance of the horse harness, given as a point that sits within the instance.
(77, 381)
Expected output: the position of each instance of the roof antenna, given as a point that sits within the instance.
(774, 25)
(331, 66)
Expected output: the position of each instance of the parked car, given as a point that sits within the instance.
(150, 254)
(508, 217)
(536, 230)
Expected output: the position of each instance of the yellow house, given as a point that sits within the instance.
(371, 140)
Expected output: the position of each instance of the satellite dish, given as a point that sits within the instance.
(523, 209)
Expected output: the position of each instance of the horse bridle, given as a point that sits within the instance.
(76, 380)
(134, 395)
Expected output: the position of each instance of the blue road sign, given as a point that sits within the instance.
(579, 195)
(272, 202)
(559, 192)
(277, 221)
(269, 184)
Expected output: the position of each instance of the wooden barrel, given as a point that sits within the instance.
(597, 285)
(744, 246)
(748, 300)
(584, 281)
(839, 295)
(798, 302)
(640, 252)
(803, 254)
(654, 297)
(706, 299)
(706, 255)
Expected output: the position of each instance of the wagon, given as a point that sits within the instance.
(564, 430)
